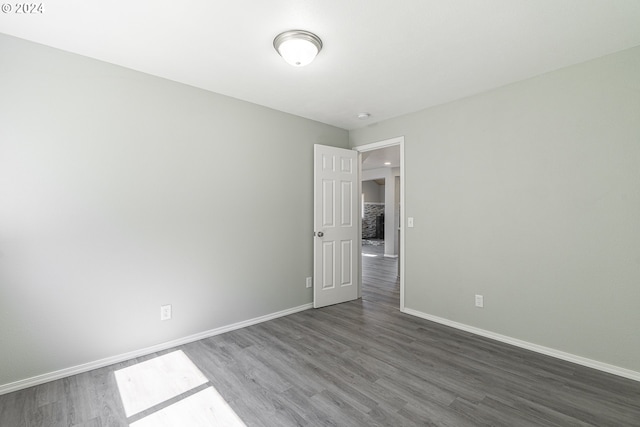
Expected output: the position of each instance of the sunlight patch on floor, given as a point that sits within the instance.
(154, 382)
(370, 255)
(203, 409)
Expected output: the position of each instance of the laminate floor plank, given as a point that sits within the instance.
(433, 414)
(362, 363)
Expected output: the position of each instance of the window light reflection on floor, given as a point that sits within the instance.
(203, 409)
(151, 383)
(370, 255)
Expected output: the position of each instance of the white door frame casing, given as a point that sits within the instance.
(399, 141)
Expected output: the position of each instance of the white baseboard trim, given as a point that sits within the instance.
(605, 367)
(85, 367)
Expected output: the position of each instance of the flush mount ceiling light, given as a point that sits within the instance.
(297, 47)
(364, 116)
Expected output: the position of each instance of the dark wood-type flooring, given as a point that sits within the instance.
(361, 363)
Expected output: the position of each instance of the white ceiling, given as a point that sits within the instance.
(384, 57)
(377, 158)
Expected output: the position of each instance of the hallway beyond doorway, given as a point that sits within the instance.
(380, 281)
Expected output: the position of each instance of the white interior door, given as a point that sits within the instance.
(335, 252)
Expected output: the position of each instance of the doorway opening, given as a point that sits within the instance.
(381, 236)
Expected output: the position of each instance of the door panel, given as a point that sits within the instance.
(346, 263)
(346, 192)
(335, 225)
(328, 271)
(328, 194)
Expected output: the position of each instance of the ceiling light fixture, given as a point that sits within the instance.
(364, 116)
(297, 47)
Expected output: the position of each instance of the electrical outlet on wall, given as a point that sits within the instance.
(309, 282)
(479, 301)
(165, 312)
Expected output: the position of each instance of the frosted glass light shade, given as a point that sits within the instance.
(298, 52)
(297, 47)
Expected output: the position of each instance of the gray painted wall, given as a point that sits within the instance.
(373, 192)
(530, 195)
(120, 192)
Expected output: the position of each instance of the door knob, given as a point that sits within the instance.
(320, 234)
